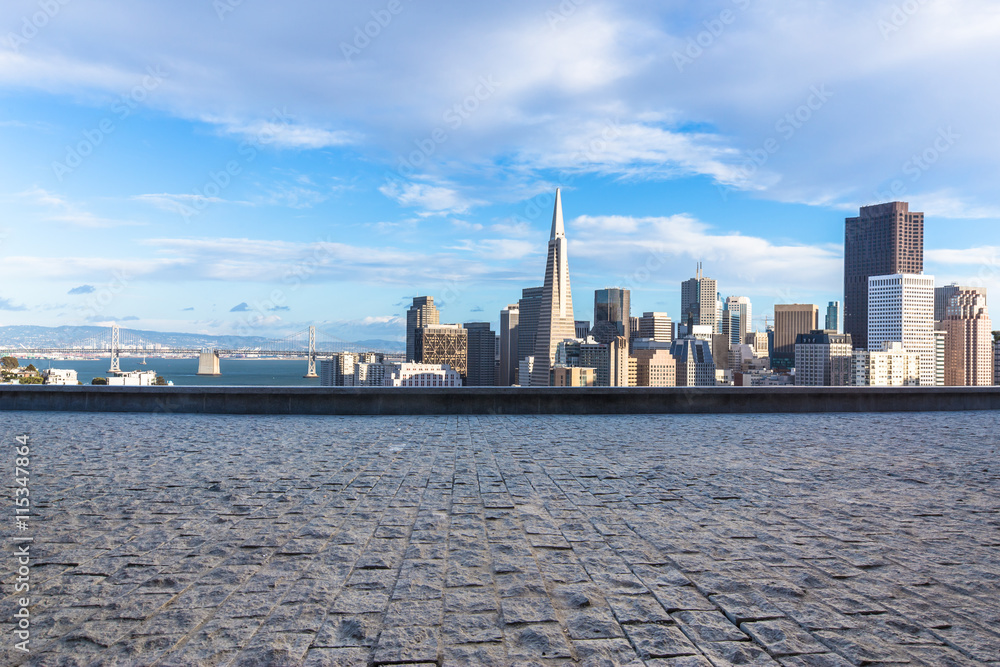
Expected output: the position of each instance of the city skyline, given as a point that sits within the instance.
(250, 191)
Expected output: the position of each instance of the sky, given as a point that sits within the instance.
(247, 167)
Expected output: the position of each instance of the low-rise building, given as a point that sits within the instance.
(422, 375)
(132, 379)
(654, 368)
(573, 376)
(823, 359)
(62, 376)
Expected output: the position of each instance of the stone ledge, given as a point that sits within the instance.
(495, 400)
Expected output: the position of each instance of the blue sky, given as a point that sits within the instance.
(243, 167)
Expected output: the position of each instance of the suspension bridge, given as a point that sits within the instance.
(309, 344)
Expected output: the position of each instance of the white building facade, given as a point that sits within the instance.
(892, 366)
(422, 375)
(901, 309)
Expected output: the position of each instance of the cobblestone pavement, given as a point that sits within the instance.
(819, 540)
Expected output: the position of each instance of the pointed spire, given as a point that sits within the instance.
(558, 230)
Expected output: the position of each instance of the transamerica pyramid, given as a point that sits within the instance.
(555, 316)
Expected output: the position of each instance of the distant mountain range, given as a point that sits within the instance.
(54, 337)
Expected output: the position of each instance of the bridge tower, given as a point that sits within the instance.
(115, 349)
(311, 371)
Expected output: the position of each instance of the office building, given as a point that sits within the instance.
(338, 370)
(421, 313)
(758, 340)
(901, 309)
(996, 361)
(527, 328)
(656, 326)
(738, 307)
(700, 302)
(943, 294)
(655, 368)
(730, 326)
(480, 364)
(695, 365)
(833, 316)
(790, 320)
(438, 344)
(555, 315)
(968, 331)
(940, 345)
(525, 368)
(611, 304)
(573, 376)
(508, 340)
(885, 239)
(422, 375)
(720, 350)
(610, 361)
(582, 329)
(823, 359)
(892, 366)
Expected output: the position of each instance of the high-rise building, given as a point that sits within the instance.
(421, 313)
(656, 326)
(555, 317)
(901, 309)
(790, 320)
(741, 306)
(338, 370)
(446, 344)
(480, 355)
(731, 326)
(969, 340)
(833, 316)
(573, 376)
(611, 304)
(700, 301)
(527, 327)
(582, 329)
(943, 294)
(758, 340)
(996, 361)
(525, 368)
(884, 239)
(823, 359)
(695, 366)
(940, 344)
(892, 366)
(509, 329)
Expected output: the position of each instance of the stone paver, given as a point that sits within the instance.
(824, 540)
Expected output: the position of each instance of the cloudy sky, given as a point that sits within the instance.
(227, 166)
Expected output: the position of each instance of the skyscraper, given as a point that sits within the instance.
(480, 355)
(790, 320)
(700, 301)
(555, 316)
(611, 304)
(901, 309)
(969, 340)
(741, 306)
(421, 313)
(443, 344)
(527, 324)
(943, 294)
(509, 330)
(833, 316)
(656, 326)
(885, 239)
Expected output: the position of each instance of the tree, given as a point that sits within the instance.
(10, 363)
(31, 379)
(99, 381)
(996, 336)
(160, 381)
(31, 368)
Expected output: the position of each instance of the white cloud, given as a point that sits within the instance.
(432, 199)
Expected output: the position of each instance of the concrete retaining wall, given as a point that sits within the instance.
(489, 400)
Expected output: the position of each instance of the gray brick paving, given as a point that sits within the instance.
(813, 540)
